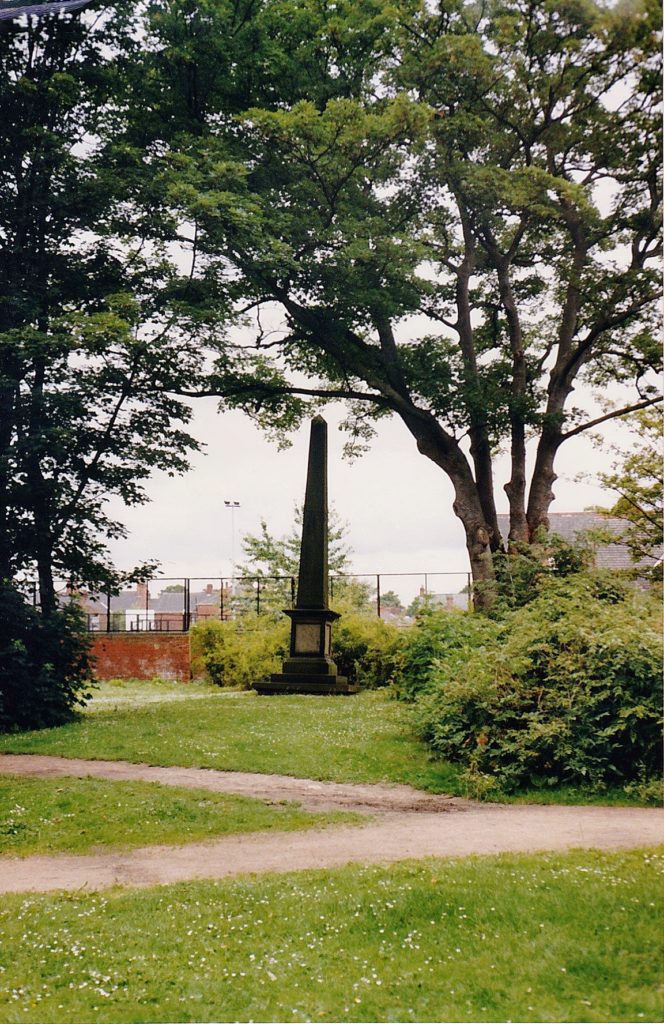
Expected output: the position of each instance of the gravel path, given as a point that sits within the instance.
(409, 825)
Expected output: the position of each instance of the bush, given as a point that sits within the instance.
(45, 664)
(570, 692)
(521, 573)
(438, 644)
(239, 652)
(365, 649)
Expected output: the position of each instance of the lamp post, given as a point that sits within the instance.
(232, 505)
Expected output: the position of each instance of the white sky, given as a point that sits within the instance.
(398, 504)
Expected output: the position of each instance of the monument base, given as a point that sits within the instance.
(290, 682)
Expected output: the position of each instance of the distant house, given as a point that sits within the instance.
(445, 602)
(129, 610)
(137, 610)
(169, 606)
(569, 525)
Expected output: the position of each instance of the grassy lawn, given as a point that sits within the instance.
(123, 692)
(80, 815)
(524, 938)
(366, 738)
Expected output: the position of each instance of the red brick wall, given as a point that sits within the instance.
(142, 656)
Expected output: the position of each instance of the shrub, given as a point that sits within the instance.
(569, 693)
(239, 652)
(45, 664)
(521, 574)
(438, 644)
(365, 649)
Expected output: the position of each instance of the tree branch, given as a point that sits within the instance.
(267, 392)
(611, 416)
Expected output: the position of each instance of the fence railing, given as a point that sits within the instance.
(174, 604)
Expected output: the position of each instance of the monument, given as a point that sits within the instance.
(310, 668)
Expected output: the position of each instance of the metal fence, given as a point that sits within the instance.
(174, 604)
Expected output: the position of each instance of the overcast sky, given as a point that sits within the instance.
(398, 504)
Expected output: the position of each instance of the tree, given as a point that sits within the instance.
(492, 170)
(45, 661)
(270, 557)
(86, 356)
(637, 479)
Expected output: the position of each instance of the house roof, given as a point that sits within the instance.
(174, 601)
(97, 605)
(459, 600)
(166, 601)
(569, 525)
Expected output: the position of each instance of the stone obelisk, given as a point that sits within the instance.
(310, 668)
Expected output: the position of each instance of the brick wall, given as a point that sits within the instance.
(142, 656)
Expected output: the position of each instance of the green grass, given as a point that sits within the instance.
(122, 692)
(366, 738)
(80, 815)
(572, 937)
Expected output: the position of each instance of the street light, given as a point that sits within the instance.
(232, 505)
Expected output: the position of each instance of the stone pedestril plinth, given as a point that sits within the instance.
(310, 668)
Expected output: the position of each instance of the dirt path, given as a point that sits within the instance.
(313, 795)
(445, 828)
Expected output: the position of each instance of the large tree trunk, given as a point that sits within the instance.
(515, 489)
(444, 451)
(7, 403)
(561, 384)
(544, 476)
(39, 493)
(541, 486)
(480, 447)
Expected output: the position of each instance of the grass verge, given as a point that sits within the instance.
(571, 937)
(80, 815)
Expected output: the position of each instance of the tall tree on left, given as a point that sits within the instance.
(88, 343)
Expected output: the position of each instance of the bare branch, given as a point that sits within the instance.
(615, 414)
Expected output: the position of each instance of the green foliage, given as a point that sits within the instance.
(365, 649)
(275, 561)
(440, 642)
(521, 572)
(239, 652)
(45, 665)
(378, 160)
(569, 691)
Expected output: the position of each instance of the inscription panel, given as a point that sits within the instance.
(307, 638)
